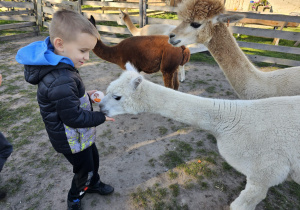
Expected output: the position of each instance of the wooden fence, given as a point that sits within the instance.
(25, 13)
(43, 10)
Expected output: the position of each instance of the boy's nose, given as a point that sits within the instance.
(87, 56)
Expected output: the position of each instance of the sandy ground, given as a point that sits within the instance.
(126, 146)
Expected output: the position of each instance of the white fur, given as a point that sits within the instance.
(259, 138)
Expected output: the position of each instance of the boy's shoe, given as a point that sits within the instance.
(74, 205)
(2, 195)
(101, 188)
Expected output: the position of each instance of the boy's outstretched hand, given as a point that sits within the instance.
(109, 119)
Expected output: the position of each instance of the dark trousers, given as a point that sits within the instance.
(5, 150)
(85, 169)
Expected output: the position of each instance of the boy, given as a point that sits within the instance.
(5, 150)
(64, 105)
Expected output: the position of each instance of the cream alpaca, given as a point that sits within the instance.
(259, 138)
(204, 22)
(154, 29)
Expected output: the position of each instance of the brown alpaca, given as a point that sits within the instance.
(204, 21)
(148, 54)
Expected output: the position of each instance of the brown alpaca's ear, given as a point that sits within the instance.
(186, 53)
(92, 20)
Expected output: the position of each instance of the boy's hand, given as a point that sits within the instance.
(91, 92)
(0, 79)
(109, 119)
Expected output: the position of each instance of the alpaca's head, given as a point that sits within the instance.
(122, 16)
(199, 17)
(123, 95)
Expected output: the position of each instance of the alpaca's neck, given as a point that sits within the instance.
(213, 115)
(231, 58)
(131, 27)
(106, 52)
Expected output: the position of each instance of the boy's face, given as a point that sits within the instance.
(77, 50)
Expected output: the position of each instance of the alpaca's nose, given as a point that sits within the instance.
(100, 106)
(171, 35)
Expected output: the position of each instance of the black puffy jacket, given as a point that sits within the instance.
(59, 91)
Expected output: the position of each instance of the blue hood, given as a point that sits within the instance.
(40, 53)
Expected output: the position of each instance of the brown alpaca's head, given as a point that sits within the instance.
(199, 17)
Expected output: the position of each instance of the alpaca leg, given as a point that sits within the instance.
(182, 73)
(168, 80)
(175, 80)
(250, 196)
(259, 182)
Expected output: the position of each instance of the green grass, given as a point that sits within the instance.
(158, 198)
(110, 23)
(13, 184)
(162, 130)
(172, 174)
(2, 22)
(197, 169)
(203, 57)
(262, 40)
(184, 149)
(174, 189)
(171, 159)
(166, 15)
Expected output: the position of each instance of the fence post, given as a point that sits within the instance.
(141, 13)
(39, 13)
(145, 7)
(79, 3)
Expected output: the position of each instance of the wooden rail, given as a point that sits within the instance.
(23, 12)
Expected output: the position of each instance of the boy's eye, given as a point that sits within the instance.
(117, 97)
(82, 51)
(195, 25)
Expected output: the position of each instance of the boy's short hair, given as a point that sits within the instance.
(66, 24)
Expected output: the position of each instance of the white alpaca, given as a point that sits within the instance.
(203, 22)
(153, 29)
(259, 138)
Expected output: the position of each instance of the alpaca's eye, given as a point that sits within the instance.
(117, 97)
(195, 25)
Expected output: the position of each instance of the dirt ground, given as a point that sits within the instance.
(36, 177)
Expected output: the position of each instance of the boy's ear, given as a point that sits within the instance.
(58, 44)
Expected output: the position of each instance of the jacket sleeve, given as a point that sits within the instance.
(64, 93)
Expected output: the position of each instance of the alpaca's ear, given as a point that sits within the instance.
(136, 82)
(121, 11)
(225, 18)
(126, 10)
(130, 67)
(92, 20)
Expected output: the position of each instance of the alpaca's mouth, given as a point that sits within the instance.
(173, 42)
(104, 111)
